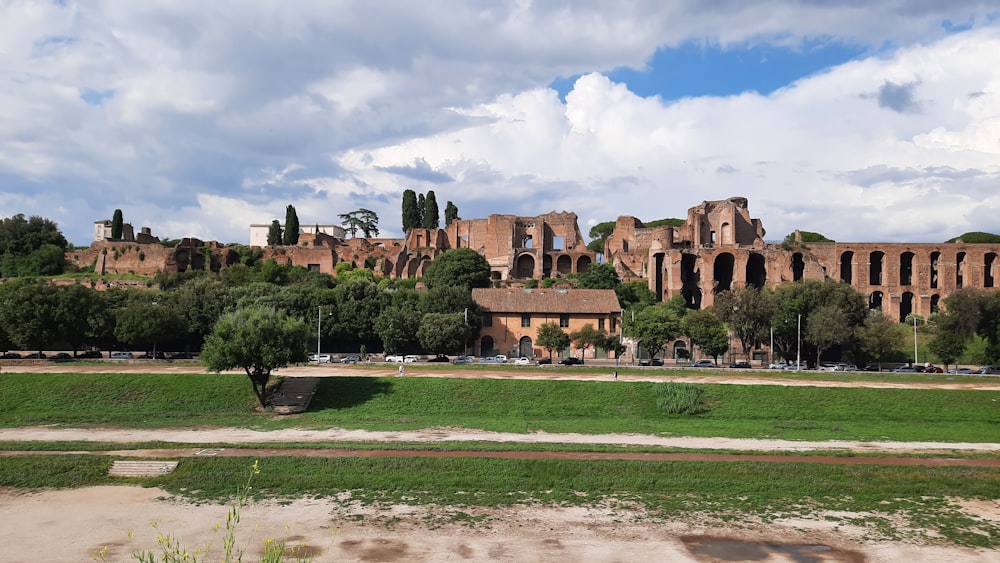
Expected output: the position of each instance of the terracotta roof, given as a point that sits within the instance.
(517, 300)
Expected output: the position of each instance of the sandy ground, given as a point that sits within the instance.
(75, 525)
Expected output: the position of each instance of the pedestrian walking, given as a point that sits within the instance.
(400, 370)
(616, 375)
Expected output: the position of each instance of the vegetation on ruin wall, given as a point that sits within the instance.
(885, 501)
(799, 413)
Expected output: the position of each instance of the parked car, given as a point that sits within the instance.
(776, 365)
(89, 354)
(847, 367)
(961, 371)
(828, 366)
(796, 367)
(488, 360)
(571, 361)
(989, 370)
(34, 356)
(181, 356)
(933, 369)
(153, 356)
(703, 364)
(462, 360)
(650, 362)
(410, 359)
(121, 356)
(10, 356)
(741, 365)
(320, 358)
(439, 358)
(61, 357)
(544, 362)
(351, 359)
(905, 369)
(394, 358)
(501, 359)
(522, 361)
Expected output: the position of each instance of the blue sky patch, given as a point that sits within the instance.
(96, 97)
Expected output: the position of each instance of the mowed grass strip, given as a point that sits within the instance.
(885, 496)
(750, 411)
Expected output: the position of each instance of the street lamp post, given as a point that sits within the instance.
(798, 347)
(915, 340)
(319, 322)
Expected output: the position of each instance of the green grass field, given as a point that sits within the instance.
(751, 411)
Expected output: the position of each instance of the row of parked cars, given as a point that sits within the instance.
(96, 354)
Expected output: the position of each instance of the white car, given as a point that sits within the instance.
(320, 358)
(410, 359)
(501, 359)
(394, 359)
(703, 364)
(522, 362)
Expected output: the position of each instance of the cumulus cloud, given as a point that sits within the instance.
(203, 118)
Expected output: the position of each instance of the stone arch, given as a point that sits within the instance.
(875, 260)
(524, 348)
(798, 267)
(756, 271)
(847, 267)
(546, 266)
(959, 270)
(935, 261)
(582, 263)
(875, 301)
(487, 346)
(690, 280)
(723, 272)
(564, 264)
(935, 303)
(989, 262)
(524, 267)
(678, 346)
(905, 305)
(906, 268)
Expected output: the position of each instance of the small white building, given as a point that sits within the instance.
(258, 233)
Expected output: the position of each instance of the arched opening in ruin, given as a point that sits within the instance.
(906, 268)
(875, 267)
(756, 273)
(727, 233)
(582, 263)
(875, 301)
(935, 259)
(959, 269)
(524, 266)
(486, 346)
(989, 261)
(183, 259)
(935, 303)
(690, 281)
(905, 305)
(681, 351)
(658, 275)
(798, 267)
(546, 266)
(422, 265)
(723, 269)
(847, 267)
(524, 348)
(564, 264)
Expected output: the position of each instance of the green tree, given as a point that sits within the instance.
(586, 337)
(29, 311)
(879, 337)
(828, 326)
(551, 337)
(117, 225)
(20, 238)
(748, 312)
(275, 235)
(635, 294)
(443, 333)
(706, 331)
(949, 341)
(257, 340)
(431, 216)
(200, 302)
(79, 314)
(357, 303)
(655, 326)
(147, 320)
(363, 220)
(599, 276)
(600, 233)
(421, 206)
(411, 215)
(398, 328)
(458, 267)
(290, 237)
(450, 213)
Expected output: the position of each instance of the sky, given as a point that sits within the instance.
(863, 121)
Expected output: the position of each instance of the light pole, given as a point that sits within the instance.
(798, 347)
(915, 340)
(319, 323)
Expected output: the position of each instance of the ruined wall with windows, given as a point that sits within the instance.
(720, 247)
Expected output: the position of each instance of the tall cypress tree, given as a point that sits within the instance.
(432, 218)
(450, 213)
(421, 204)
(411, 215)
(291, 235)
(117, 224)
(274, 233)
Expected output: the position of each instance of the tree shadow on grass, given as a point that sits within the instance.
(347, 392)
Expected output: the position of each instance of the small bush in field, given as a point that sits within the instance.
(680, 398)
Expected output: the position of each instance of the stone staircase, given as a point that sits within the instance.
(141, 468)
